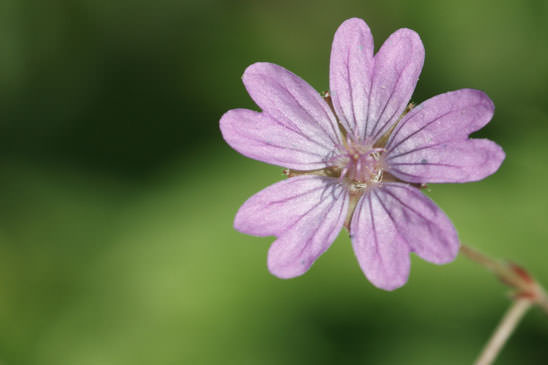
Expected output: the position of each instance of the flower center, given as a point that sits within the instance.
(359, 164)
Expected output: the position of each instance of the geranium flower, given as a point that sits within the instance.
(358, 157)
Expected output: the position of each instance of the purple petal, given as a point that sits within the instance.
(383, 254)
(427, 229)
(259, 136)
(350, 74)
(293, 104)
(431, 143)
(390, 222)
(397, 68)
(306, 213)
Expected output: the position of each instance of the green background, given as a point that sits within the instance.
(117, 192)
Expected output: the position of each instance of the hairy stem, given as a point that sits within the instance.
(514, 276)
(526, 292)
(503, 331)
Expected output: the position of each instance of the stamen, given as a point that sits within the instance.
(357, 164)
(343, 173)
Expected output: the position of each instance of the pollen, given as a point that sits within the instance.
(359, 164)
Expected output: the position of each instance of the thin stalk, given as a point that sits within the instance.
(526, 292)
(503, 331)
(514, 276)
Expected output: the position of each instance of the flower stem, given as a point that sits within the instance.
(514, 276)
(503, 331)
(526, 292)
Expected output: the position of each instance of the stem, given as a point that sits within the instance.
(503, 331)
(527, 291)
(514, 276)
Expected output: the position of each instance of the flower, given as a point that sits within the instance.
(358, 158)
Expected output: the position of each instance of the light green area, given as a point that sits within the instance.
(96, 276)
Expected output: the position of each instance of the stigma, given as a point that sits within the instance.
(359, 164)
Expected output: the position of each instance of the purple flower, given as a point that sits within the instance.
(357, 158)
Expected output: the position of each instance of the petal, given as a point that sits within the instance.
(427, 229)
(306, 213)
(431, 143)
(293, 103)
(350, 74)
(259, 136)
(397, 68)
(383, 254)
(392, 221)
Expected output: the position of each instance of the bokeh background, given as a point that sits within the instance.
(117, 192)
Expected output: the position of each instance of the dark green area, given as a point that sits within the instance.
(118, 194)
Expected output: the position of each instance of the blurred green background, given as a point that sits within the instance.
(117, 192)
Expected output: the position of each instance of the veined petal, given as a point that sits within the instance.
(293, 103)
(427, 229)
(259, 136)
(394, 220)
(350, 72)
(430, 144)
(306, 213)
(382, 252)
(398, 65)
